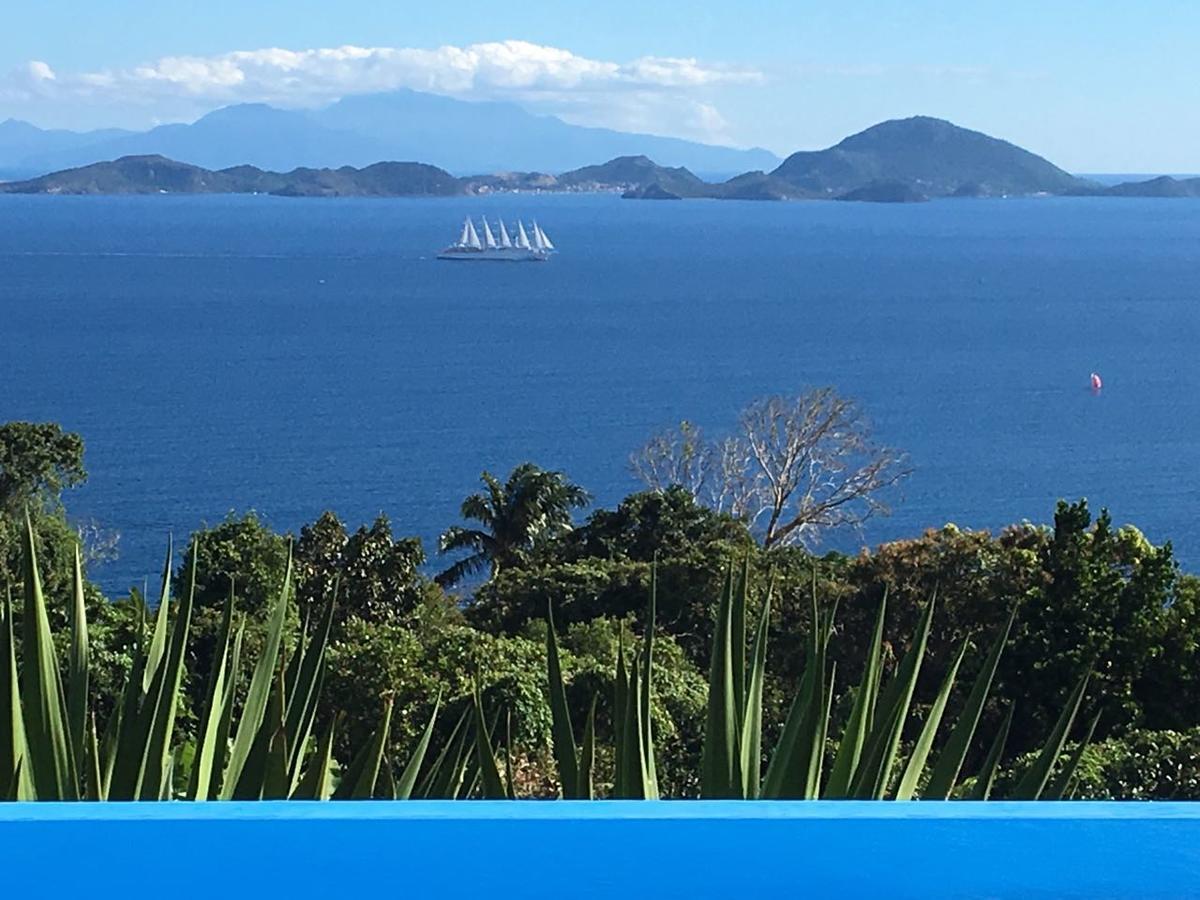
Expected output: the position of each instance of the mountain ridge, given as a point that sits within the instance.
(460, 136)
(898, 161)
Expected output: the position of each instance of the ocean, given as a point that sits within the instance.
(288, 356)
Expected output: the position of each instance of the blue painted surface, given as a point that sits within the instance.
(607, 849)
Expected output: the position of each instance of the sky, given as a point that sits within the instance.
(1094, 86)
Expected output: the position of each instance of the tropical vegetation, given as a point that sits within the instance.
(657, 648)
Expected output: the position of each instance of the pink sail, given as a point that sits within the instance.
(1096, 382)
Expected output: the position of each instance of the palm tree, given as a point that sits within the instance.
(529, 507)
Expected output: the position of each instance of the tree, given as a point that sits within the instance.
(37, 460)
(797, 466)
(377, 576)
(532, 506)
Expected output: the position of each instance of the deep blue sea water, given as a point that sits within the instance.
(287, 356)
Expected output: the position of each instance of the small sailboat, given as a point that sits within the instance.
(506, 247)
(1097, 383)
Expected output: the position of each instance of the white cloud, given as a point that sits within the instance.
(662, 94)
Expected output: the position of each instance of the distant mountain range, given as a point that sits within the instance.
(899, 161)
(460, 136)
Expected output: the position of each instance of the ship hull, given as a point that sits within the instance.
(498, 254)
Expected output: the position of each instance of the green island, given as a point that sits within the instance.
(681, 644)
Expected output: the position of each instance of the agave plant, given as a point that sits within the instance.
(868, 757)
(50, 749)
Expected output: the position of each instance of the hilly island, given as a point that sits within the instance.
(898, 161)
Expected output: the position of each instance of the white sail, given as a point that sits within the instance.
(489, 240)
(537, 238)
(463, 241)
(545, 239)
(522, 237)
(472, 237)
(505, 240)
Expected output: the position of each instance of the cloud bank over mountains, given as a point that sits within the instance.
(669, 93)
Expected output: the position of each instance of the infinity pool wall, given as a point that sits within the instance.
(604, 849)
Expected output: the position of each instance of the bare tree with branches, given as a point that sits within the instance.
(797, 466)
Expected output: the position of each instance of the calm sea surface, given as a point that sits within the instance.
(288, 356)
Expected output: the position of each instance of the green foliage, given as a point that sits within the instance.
(515, 517)
(1142, 765)
(37, 461)
(377, 576)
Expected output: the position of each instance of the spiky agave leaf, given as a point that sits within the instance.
(875, 771)
(257, 697)
(719, 753)
(408, 779)
(444, 777)
(750, 755)
(162, 701)
(317, 782)
(77, 665)
(915, 767)
(949, 764)
(210, 719)
(1033, 782)
(304, 690)
(566, 753)
(791, 769)
(644, 697)
(12, 721)
(1059, 788)
(485, 754)
(359, 779)
(858, 726)
(587, 756)
(48, 748)
(987, 775)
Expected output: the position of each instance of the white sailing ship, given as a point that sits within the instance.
(521, 245)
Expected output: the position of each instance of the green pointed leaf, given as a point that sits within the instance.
(77, 665)
(1062, 781)
(259, 693)
(158, 643)
(916, 761)
(946, 770)
(95, 777)
(210, 719)
(987, 775)
(445, 775)
(875, 771)
(566, 753)
(791, 770)
(750, 762)
(48, 750)
(12, 721)
(845, 764)
(719, 754)
(317, 783)
(630, 756)
(305, 689)
(404, 787)
(1033, 782)
(358, 781)
(587, 756)
(620, 696)
(647, 745)
(162, 701)
(485, 755)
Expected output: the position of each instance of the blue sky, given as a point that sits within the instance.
(1094, 86)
